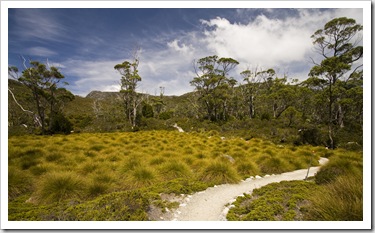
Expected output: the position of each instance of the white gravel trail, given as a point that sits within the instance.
(212, 204)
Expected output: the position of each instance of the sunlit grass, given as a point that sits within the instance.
(89, 165)
(59, 186)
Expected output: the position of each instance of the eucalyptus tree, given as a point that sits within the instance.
(129, 81)
(213, 85)
(48, 97)
(338, 44)
(252, 87)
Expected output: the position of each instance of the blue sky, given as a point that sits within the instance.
(87, 43)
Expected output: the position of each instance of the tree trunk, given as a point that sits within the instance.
(340, 117)
(330, 135)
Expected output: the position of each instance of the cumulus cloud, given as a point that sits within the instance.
(265, 41)
(279, 43)
(91, 75)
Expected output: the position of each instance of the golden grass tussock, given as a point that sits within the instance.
(219, 172)
(19, 182)
(175, 169)
(59, 186)
(340, 200)
(86, 165)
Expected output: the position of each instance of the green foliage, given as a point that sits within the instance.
(335, 43)
(273, 202)
(120, 206)
(129, 81)
(166, 115)
(60, 124)
(43, 81)
(213, 85)
(147, 110)
(310, 136)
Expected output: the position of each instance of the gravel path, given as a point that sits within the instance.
(210, 205)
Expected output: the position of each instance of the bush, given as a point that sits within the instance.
(310, 136)
(275, 201)
(120, 206)
(147, 111)
(166, 115)
(60, 124)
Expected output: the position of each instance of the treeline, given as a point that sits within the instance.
(325, 109)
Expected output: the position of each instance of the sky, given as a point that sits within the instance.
(86, 43)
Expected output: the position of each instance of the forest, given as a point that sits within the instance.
(67, 152)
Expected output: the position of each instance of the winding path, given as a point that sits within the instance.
(211, 204)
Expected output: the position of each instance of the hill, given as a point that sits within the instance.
(98, 111)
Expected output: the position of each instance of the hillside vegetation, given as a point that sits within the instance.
(73, 172)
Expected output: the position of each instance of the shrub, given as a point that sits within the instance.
(120, 206)
(275, 201)
(310, 136)
(60, 124)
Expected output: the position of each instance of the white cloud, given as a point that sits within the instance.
(267, 42)
(91, 76)
(41, 52)
(282, 44)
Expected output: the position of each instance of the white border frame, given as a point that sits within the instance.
(367, 161)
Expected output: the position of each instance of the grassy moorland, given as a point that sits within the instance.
(119, 176)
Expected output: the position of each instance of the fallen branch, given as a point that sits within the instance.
(36, 119)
